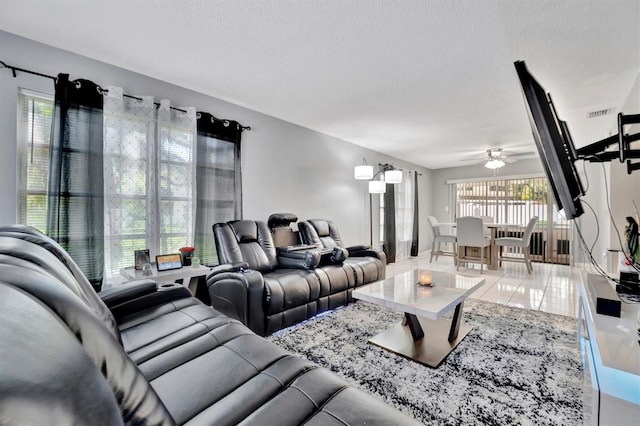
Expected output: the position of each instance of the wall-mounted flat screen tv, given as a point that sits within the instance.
(554, 145)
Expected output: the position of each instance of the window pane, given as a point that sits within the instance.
(34, 131)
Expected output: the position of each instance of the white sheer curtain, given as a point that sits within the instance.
(404, 194)
(149, 178)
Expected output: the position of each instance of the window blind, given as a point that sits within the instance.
(34, 132)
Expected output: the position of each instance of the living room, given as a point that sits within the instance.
(299, 154)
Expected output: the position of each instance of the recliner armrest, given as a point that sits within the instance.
(228, 267)
(299, 259)
(239, 295)
(363, 251)
(117, 295)
(359, 247)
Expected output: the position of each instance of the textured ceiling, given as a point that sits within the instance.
(431, 82)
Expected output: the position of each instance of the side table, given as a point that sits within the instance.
(187, 275)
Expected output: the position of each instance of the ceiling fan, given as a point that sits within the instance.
(496, 158)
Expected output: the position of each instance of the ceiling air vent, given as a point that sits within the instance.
(599, 113)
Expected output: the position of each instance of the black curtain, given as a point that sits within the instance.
(75, 211)
(218, 180)
(389, 245)
(416, 227)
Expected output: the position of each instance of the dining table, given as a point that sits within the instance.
(492, 231)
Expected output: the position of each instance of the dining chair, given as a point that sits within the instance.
(470, 233)
(439, 238)
(520, 243)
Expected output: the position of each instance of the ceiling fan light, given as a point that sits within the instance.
(494, 164)
(377, 187)
(393, 176)
(363, 172)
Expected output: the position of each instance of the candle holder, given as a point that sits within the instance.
(425, 278)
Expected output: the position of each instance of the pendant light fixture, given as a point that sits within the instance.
(363, 171)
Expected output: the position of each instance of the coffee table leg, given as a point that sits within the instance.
(455, 323)
(414, 326)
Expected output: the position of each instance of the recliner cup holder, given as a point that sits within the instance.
(168, 286)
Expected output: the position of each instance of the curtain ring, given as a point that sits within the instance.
(77, 84)
(226, 123)
(198, 115)
(212, 120)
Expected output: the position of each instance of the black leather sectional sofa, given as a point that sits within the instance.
(270, 282)
(140, 355)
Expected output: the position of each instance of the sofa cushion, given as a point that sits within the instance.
(148, 333)
(334, 279)
(366, 269)
(289, 288)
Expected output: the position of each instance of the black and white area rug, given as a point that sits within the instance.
(516, 367)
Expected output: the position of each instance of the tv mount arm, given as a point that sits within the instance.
(596, 151)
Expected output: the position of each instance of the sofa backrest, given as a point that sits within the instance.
(246, 241)
(320, 232)
(29, 244)
(61, 365)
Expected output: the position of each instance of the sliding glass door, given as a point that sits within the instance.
(513, 202)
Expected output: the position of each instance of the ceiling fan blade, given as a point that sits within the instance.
(520, 154)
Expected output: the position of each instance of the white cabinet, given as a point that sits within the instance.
(610, 358)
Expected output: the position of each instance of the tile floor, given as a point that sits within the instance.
(550, 288)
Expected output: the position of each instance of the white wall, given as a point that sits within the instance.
(285, 167)
(625, 188)
(610, 179)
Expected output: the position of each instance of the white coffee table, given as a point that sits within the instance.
(424, 336)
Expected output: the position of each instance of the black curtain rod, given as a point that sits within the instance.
(55, 79)
(14, 69)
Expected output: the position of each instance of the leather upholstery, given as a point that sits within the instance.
(66, 366)
(368, 264)
(28, 248)
(282, 294)
(299, 260)
(279, 220)
(81, 286)
(72, 389)
(320, 232)
(137, 400)
(246, 241)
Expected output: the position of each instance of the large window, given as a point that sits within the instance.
(153, 162)
(149, 175)
(34, 130)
